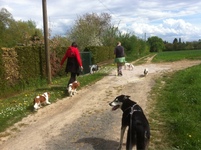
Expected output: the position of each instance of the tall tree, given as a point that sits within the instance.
(175, 41)
(90, 29)
(175, 44)
(110, 37)
(14, 32)
(6, 19)
(156, 44)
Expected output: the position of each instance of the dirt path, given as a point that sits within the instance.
(86, 121)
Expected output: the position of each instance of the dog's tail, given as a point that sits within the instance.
(143, 136)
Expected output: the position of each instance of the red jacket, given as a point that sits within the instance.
(72, 52)
(74, 61)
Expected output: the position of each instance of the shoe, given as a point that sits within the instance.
(120, 74)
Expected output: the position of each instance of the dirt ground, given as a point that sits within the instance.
(85, 121)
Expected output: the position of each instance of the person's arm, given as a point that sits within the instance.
(64, 58)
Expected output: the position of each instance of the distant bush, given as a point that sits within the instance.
(100, 53)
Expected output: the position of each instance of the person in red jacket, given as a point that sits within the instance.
(74, 62)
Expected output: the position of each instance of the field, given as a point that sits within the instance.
(177, 55)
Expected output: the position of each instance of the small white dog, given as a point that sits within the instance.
(41, 99)
(146, 71)
(72, 89)
(129, 66)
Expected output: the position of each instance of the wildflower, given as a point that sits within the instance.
(189, 136)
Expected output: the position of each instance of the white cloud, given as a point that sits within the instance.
(167, 19)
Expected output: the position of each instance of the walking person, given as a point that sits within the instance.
(119, 58)
(74, 62)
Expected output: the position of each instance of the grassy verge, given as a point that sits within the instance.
(13, 109)
(176, 114)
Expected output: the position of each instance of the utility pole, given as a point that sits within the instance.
(145, 37)
(47, 52)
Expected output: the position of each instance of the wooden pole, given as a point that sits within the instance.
(45, 25)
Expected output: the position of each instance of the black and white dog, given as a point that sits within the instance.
(93, 68)
(138, 125)
(146, 71)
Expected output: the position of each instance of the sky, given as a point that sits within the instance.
(167, 19)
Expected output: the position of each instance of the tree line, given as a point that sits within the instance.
(88, 30)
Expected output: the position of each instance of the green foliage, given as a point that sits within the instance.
(21, 69)
(100, 53)
(14, 33)
(89, 29)
(177, 46)
(110, 36)
(2, 73)
(130, 43)
(134, 47)
(156, 44)
(177, 55)
(31, 62)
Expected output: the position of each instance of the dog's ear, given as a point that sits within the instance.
(126, 97)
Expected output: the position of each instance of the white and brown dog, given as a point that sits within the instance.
(41, 100)
(129, 66)
(72, 88)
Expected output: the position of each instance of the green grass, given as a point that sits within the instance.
(177, 55)
(176, 116)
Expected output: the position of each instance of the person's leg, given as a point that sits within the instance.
(72, 78)
(119, 69)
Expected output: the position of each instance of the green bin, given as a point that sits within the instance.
(86, 61)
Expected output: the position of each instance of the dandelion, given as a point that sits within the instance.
(189, 135)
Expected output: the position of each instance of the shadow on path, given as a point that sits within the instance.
(99, 143)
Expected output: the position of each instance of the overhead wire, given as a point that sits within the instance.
(109, 11)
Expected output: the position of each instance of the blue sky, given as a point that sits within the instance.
(167, 19)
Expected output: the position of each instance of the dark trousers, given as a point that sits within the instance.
(72, 78)
(119, 68)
